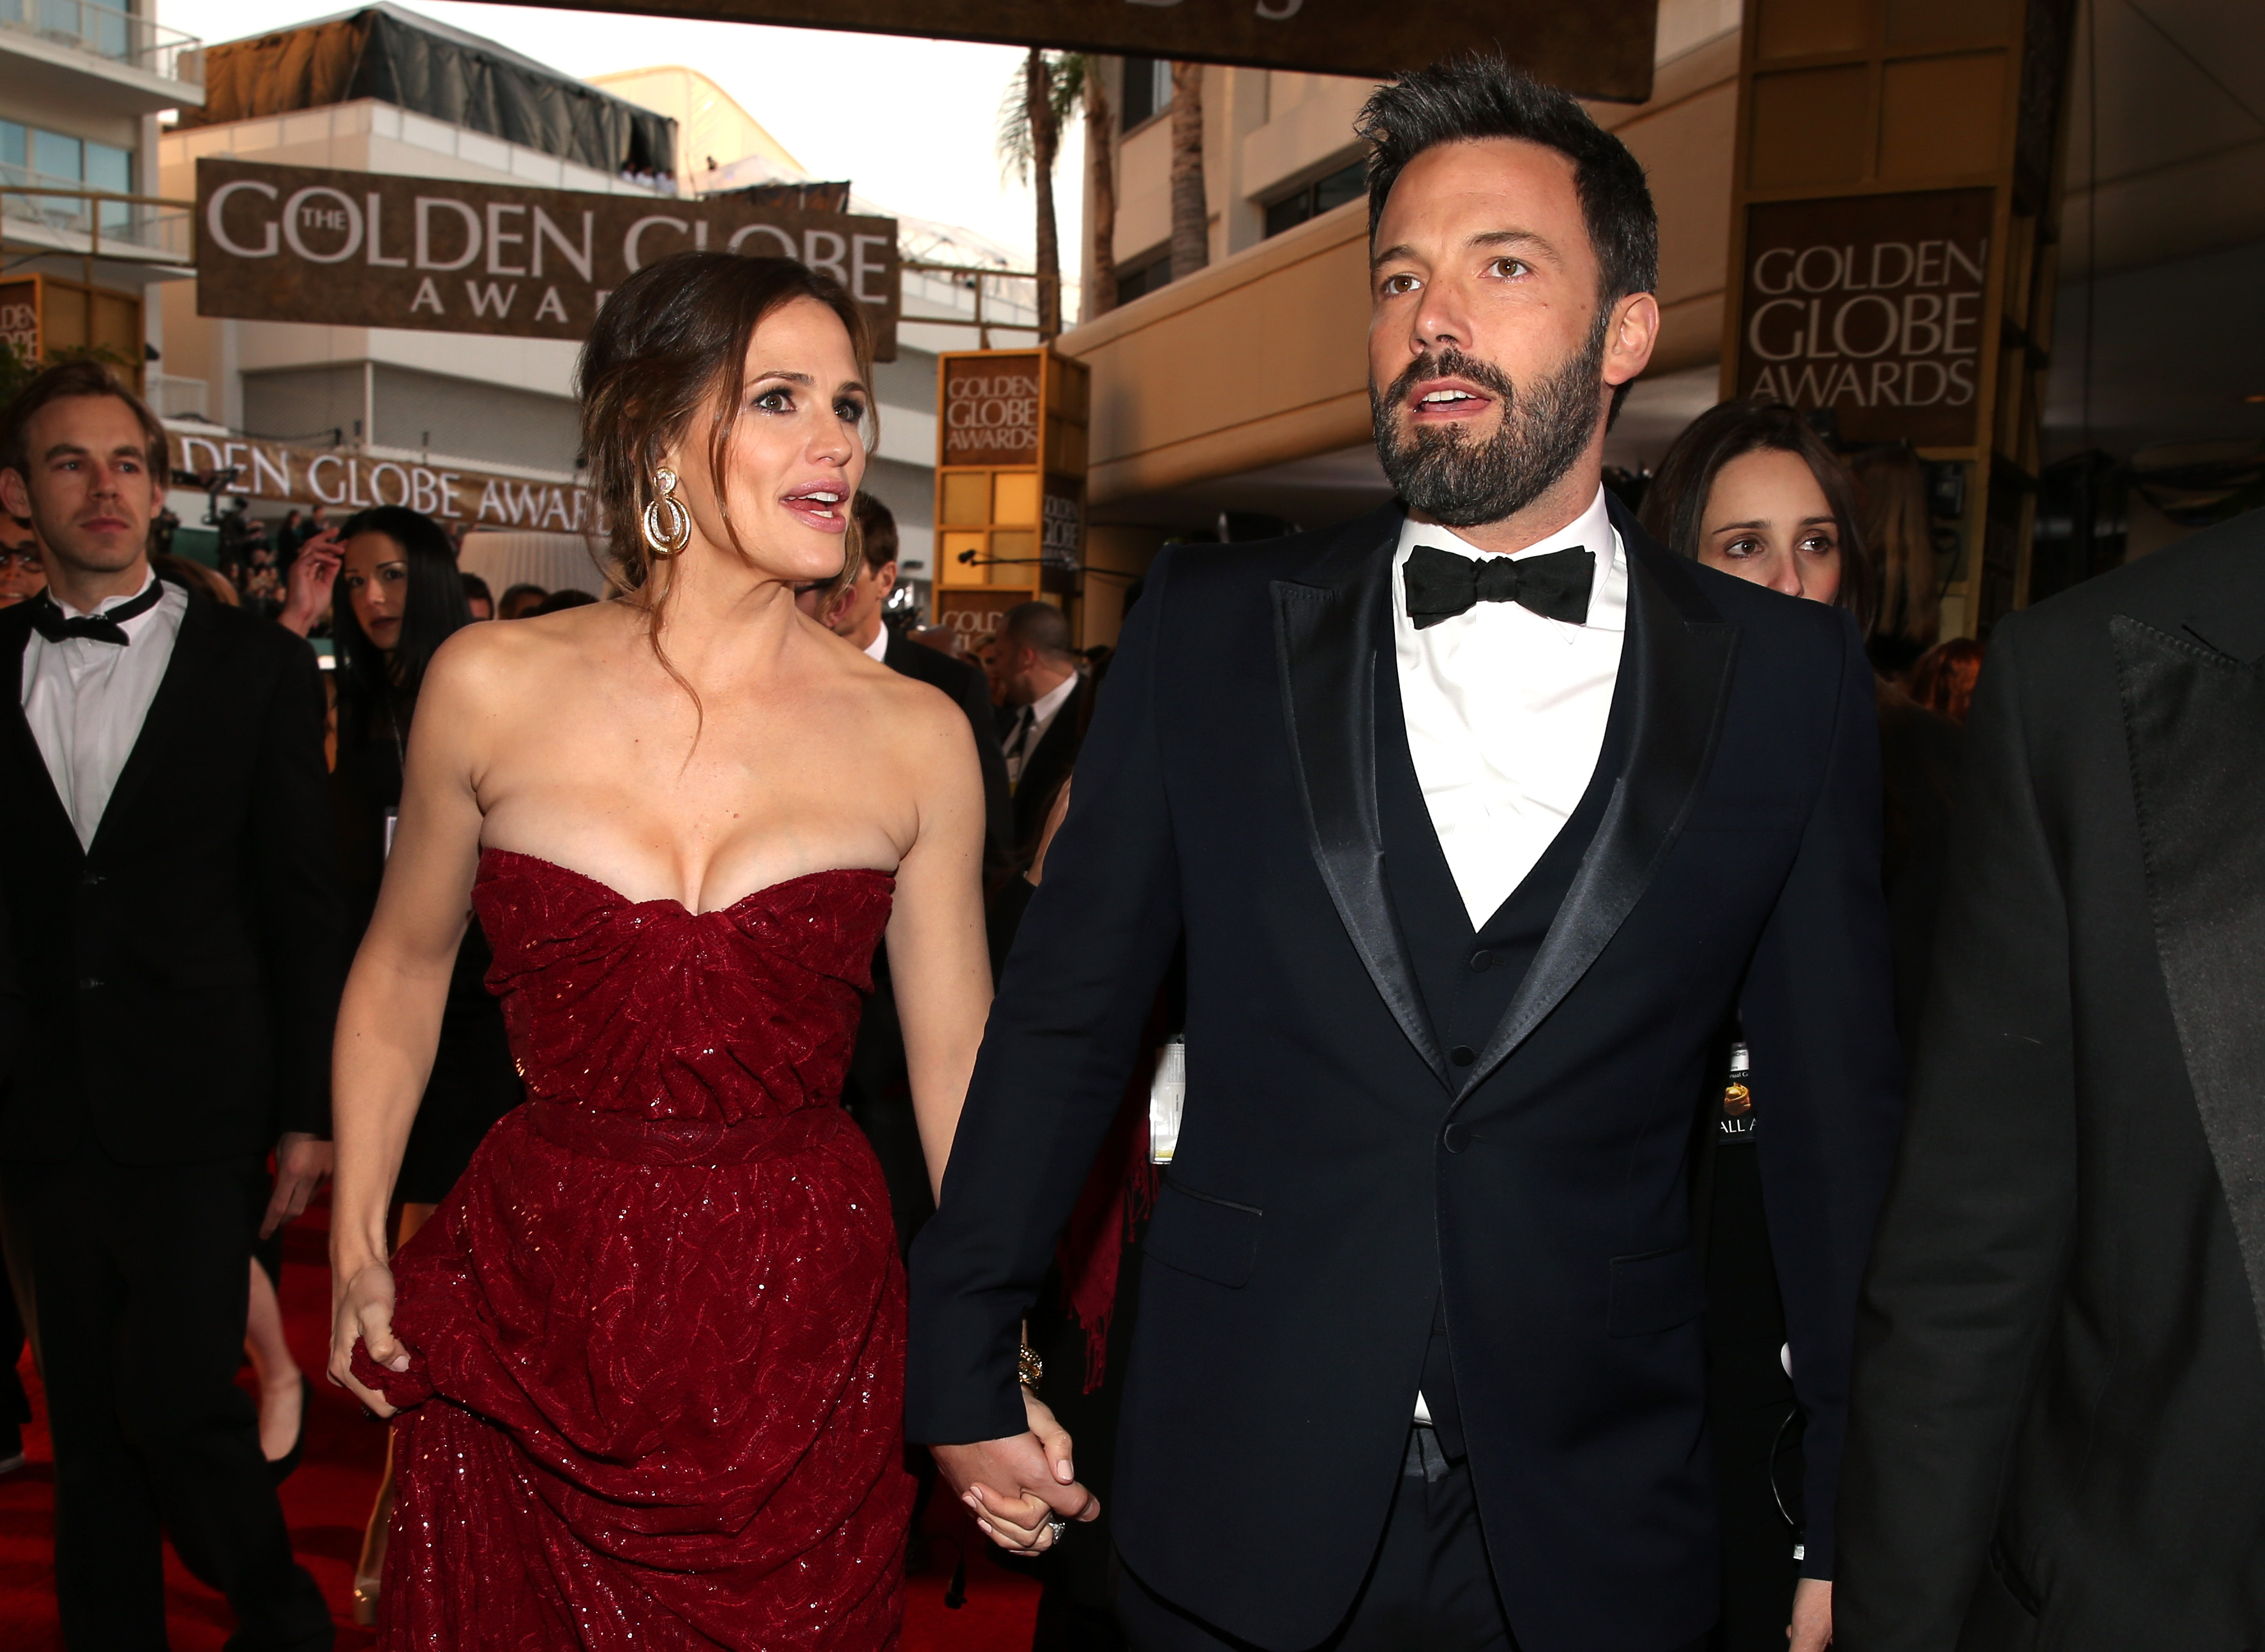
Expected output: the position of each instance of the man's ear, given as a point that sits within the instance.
(1630, 338)
(15, 497)
(887, 579)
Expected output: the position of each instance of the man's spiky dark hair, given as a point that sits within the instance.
(1478, 95)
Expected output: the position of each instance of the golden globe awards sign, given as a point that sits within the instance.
(1871, 305)
(357, 250)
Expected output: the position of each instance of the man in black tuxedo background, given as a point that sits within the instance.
(167, 861)
(1479, 817)
(2058, 1432)
(1043, 721)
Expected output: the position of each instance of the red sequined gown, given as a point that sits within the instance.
(658, 1329)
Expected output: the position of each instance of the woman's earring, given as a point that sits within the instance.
(667, 524)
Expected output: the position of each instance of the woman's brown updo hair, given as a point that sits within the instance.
(670, 344)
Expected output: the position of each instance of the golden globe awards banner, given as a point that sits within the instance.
(358, 250)
(1598, 48)
(284, 473)
(1870, 305)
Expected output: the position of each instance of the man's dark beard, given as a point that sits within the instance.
(1442, 472)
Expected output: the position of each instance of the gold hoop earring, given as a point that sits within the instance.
(667, 524)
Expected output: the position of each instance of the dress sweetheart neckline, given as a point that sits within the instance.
(671, 900)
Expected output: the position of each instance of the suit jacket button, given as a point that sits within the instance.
(1481, 960)
(90, 983)
(91, 879)
(1455, 1138)
(1462, 1055)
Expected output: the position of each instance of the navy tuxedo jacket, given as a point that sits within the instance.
(1338, 1177)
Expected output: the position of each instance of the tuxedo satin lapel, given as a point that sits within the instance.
(1681, 657)
(27, 765)
(1325, 639)
(2194, 723)
(172, 711)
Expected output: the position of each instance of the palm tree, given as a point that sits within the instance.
(1078, 83)
(1190, 206)
(1030, 138)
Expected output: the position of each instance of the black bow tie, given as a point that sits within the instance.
(1442, 585)
(109, 626)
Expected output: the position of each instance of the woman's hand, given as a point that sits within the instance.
(362, 1310)
(314, 571)
(1023, 1523)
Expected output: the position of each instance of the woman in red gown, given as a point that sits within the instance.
(647, 1358)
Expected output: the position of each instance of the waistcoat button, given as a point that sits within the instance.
(1462, 1055)
(1481, 961)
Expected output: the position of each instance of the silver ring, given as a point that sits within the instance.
(1057, 1525)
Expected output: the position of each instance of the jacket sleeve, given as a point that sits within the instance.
(1978, 1222)
(997, 801)
(1818, 1011)
(299, 903)
(1061, 1039)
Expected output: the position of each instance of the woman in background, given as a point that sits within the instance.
(1751, 489)
(1943, 680)
(403, 598)
(1898, 538)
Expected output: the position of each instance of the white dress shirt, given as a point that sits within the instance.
(1505, 713)
(1506, 710)
(86, 700)
(1034, 720)
(877, 650)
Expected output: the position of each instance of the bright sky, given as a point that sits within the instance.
(909, 122)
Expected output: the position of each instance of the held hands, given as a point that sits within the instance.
(1017, 1487)
(1811, 1630)
(301, 1162)
(362, 1310)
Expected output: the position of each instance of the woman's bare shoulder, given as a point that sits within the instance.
(494, 663)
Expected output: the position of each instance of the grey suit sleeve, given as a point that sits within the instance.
(1975, 1236)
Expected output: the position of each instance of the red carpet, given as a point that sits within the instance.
(329, 1498)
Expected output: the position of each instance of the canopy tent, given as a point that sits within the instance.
(417, 63)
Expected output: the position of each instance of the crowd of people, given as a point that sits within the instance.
(1710, 1120)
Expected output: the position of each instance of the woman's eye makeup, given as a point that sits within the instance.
(849, 412)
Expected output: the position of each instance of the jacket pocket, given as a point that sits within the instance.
(1211, 1238)
(1655, 1291)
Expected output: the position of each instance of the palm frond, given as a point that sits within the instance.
(1012, 141)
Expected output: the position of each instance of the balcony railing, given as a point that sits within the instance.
(106, 32)
(144, 228)
(962, 295)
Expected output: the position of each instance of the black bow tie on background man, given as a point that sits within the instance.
(106, 627)
(1442, 585)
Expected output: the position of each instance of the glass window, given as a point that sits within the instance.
(110, 168)
(57, 157)
(1148, 90)
(1347, 183)
(1139, 278)
(12, 140)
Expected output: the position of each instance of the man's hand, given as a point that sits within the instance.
(301, 1162)
(1016, 1487)
(313, 572)
(1811, 1629)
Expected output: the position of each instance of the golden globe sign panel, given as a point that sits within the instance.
(1871, 305)
(355, 250)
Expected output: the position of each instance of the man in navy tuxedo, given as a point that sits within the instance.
(1479, 817)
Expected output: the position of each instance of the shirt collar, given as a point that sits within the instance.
(108, 603)
(878, 648)
(1591, 530)
(1041, 709)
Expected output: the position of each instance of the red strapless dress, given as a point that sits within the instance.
(656, 1393)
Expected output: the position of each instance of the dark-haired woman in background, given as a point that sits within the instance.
(398, 597)
(1943, 678)
(1749, 488)
(650, 1353)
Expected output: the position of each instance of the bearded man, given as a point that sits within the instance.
(1479, 818)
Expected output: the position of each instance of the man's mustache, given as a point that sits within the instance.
(1450, 363)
